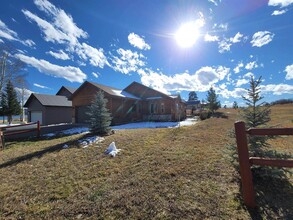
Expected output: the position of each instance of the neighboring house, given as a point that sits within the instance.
(66, 91)
(49, 109)
(134, 103)
(192, 107)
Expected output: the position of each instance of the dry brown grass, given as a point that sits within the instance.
(160, 174)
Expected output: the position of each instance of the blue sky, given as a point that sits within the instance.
(172, 46)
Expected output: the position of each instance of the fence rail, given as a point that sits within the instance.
(18, 129)
(246, 162)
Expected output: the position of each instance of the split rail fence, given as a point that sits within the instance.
(18, 129)
(246, 162)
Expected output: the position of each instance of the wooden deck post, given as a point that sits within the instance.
(245, 172)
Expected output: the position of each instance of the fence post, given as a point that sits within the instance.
(2, 141)
(38, 129)
(245, 172)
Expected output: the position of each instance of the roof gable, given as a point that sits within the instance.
(143, 91)
(107, 89)
(66, 91)
(49, 100)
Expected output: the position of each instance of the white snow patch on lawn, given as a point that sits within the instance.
(90, 141)
(70, 131)
(187, 122)
(112, 150)
(85, 130)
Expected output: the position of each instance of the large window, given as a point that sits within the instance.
(153, 108)
(162, 108)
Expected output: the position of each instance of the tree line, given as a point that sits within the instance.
(11, 75)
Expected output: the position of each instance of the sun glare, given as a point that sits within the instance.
(187, 35)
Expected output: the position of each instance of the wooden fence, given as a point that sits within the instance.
(18, 129)
(246, 162)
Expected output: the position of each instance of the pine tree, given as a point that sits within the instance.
(212, 99)
(12, 105)
(100, 119)
(3, 105)
(256, 114)
(192, 96)
(235, 105)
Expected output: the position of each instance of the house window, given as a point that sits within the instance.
(153, 108)
(162, 108)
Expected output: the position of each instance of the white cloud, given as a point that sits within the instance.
(95, 56)
(11, 35)
(237, 69)
(279, 12)
(223, 27)
(61, 29)
(289, 71)
(138, 42)
(200, 81)
(241, 82)
(60, 55)
(96, 75)
(29, 43)
(251, 65)
(215, 2)
(235, 93)
(211, 38)
(41, 86)
(261, 38)
(248, 75)
(224, 46)
(51, 33)
(281, 3)
(70, 73)
(127, 61)
(277, 89)
(236, 38)
(62, 21)
(7, 33)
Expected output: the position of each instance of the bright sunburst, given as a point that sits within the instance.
(187, 34)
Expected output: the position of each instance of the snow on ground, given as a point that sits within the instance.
(85, 130)
(187, 122)
(90, 141)
(70, 131)
(112, 150)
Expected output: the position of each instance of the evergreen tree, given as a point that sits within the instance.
(192, 96)
(212, 99)
(235, 105)
(100, 119)
(3, 105)
(12, 104)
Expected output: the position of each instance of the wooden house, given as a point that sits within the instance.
(134, 103)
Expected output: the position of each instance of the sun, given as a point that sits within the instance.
(187, 35)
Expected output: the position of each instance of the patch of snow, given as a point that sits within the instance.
(69, 131)
(112, 150)
(90, 141)
(187, 122)
(124, 94)
(65, 146)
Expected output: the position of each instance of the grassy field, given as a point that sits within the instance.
(179, 173)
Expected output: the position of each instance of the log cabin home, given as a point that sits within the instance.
(134, 103)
